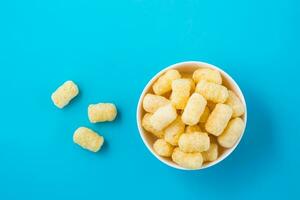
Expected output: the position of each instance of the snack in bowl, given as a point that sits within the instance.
(181, 89)
(191, 115)
(164, 83)
(218, 119)
(194, 109)
(163, 148)
(173, 131)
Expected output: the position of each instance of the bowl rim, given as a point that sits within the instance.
(150, 83)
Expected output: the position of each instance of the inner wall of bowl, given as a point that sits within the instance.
(188, 68)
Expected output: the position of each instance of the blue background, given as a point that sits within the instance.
(111, 49)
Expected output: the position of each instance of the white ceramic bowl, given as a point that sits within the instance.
(186, 67)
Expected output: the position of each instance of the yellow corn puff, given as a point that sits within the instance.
(152, 102)
(193, 142)
(211, 154)
(163, 117)
(212, 91)
(232, 133)
(207, 74)
(64, 94)
(205, 115)
(162, 148)
(218, 119)
(148, 127)
(180, 93)
(187, 160)
(102, 112)
(194, 109)
(88, 139)
(164, 83)
(235, 103)
(192, 83)
(173, 131)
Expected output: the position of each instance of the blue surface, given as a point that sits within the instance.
(111, 49)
